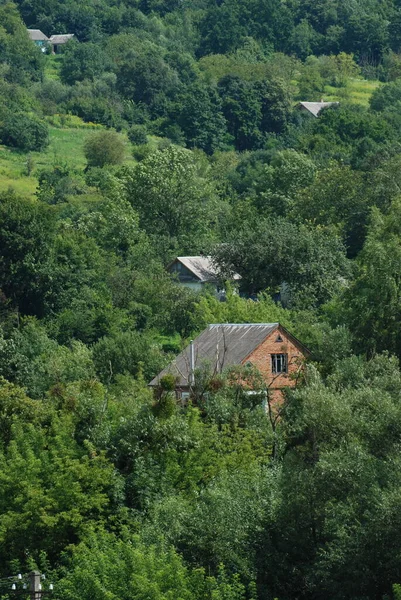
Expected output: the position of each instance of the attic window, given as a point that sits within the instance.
(279, 363)
(279, 338)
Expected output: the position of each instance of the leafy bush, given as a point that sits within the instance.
(137, 135)
(104, 148)
(24, 132)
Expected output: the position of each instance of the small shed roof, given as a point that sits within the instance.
(37, 36)
(316, 107)
(221, 345)
(201, 267)
(61, 38)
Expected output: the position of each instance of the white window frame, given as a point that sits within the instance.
(279, 363)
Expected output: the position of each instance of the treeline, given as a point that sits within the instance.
(204, 76)
(300, 27)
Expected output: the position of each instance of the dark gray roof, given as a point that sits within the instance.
(220, 346)
(62, 38)
(37, 36)
(316, 107)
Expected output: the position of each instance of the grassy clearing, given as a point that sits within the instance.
(68, 133)
(52, 66)
(66, 146)
(357, 91)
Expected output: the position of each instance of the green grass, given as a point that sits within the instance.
(357, 91)
(68, 133)
(52, 66)
(66, 146)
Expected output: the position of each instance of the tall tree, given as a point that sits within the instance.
(177, 206)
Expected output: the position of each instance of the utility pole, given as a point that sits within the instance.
(35, 587)
(30, 586)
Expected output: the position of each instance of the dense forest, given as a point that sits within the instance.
(173, 128)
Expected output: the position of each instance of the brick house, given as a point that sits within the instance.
(268, 347)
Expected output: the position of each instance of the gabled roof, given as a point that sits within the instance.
(201, 267)
(37, 36)
(62, 38)
(221, 345)
(316, 107)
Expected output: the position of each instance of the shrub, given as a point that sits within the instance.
(24, 132)
(104, 148)
(137, 135)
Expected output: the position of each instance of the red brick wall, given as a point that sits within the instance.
(261, 359)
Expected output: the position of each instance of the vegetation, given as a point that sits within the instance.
(169, 129)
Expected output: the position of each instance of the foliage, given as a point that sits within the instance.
(137, 135)
(24, 132)
(119, 492)
(104, 148)
(26, 232)
(310, 262)
(174, 201)
(83, 61)
(373, 298)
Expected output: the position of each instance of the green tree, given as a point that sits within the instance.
(127, 352)
(200, 118)
(104, 148)
(24, 132)
(338, 464)
(278, 186)
(51, 490)
(27, 231)
(145, 77)
(242, 111)
(107, 567)
(373, 299)
(175, 203)
(311, 262)
(337, 197)
(137, 135)
(386, 97)
(83, 61)
(23, 61)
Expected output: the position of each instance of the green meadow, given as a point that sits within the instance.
(357, 91)
(66, 146)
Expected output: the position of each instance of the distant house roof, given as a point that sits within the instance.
(37, 36)
(221, 345)
(200, 266)
(61, 39)
(316, 107)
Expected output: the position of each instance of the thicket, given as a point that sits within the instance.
(118, 494)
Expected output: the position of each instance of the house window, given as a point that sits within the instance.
(279, 363)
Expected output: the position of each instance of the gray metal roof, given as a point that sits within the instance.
(37, 36)
(62, 38)
(201, 266)
(316, 107)
(220, 346)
